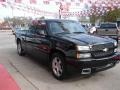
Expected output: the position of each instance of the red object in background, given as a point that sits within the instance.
(2, 0)
(18, 1)
(46, 1)
(64, 7)
(117, 58)
(61, 7)
(6, 81)
(33, 2)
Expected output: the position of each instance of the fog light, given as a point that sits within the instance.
(116, 50)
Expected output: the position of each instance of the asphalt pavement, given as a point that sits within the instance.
(30, 74)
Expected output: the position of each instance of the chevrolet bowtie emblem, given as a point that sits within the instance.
(105, 49)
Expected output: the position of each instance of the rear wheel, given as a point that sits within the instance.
(20, 49)
(58, 66)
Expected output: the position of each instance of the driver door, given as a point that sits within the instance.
(41, 42)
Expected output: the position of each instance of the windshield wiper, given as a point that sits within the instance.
(78, 32)
(63, 33)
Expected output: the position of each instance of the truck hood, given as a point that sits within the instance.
(86, 39)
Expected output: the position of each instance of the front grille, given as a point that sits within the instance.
(102, 46)
(101, 54)
(98, 50)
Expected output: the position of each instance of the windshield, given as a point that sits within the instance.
(58, 27)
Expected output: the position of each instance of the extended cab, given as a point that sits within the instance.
(65, 42)
(108, 29)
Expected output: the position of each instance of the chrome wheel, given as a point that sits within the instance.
(57, 66)
(20, 50)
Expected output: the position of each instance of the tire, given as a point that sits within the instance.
(20, 49)
(117, 40)
(58, 66)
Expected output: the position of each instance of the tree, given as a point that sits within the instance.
(17, 20)
(42, 17)
(112, 16)
(94, 18)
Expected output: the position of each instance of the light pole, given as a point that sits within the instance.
(59, 14)
(12, 10)
(60, 10)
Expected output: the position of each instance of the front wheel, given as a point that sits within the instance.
(20, 49)
(58, 66)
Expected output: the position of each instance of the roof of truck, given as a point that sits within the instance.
(55, 20)
(39, 20)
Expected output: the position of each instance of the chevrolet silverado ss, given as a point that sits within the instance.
(65, 42)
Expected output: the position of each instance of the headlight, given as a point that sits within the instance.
(84, 55)
(82, 48)
(115, 43)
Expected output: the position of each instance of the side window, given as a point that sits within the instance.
(55, 27)
(32, 29)
(41, 28)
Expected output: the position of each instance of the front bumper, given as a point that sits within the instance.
(95, 64)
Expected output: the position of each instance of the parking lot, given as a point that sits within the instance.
(30, 74)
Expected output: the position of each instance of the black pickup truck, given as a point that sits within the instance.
(65, 42)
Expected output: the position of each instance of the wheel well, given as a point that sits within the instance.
(56, 51)
(18, 40)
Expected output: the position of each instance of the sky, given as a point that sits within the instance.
(8, 12)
